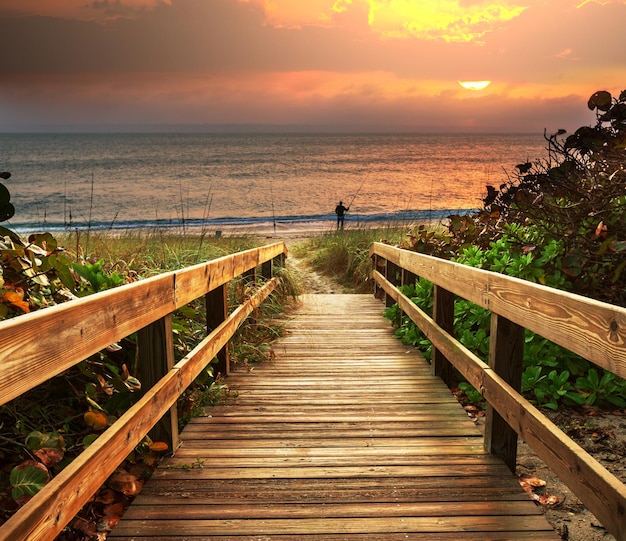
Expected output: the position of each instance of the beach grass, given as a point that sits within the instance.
(148, 252)
(344, 254)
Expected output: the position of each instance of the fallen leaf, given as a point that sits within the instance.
(105, 496)
(49, 456)
(531, 480)
(114, 509)
(125, 483)
(106, 524)
(548, 499)
(159, 446)
(17, 300)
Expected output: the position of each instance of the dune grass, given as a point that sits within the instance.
(344, 255)
(149, 252)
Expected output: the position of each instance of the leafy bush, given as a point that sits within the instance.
(560, 222)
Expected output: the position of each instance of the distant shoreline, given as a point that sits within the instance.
(265, 227)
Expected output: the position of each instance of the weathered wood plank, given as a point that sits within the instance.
(346, 436)
(593, 329)
(602, 492)
(75, 330)
(344, 525)
(58, 501)
(197, 510)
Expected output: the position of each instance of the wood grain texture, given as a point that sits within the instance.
(37, 346)
(599, 490)
(593, 329)
(55, 505)
(344, 435)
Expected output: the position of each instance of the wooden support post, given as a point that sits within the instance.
(248, 280)
(443, 314)
(378, 264)
(216, 313)
(267, 269)
(506, 358)
(408, 278)
(392, 273)
(279, 260)
(155, 357)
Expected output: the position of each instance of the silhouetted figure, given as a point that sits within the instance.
(340, 211)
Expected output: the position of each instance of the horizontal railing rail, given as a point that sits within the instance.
(36, 347)
(592, 329)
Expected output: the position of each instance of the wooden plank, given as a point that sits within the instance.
(338, 451)
(197, 510)
(599, 490)
(593, 329)
(388, 536)
(56, 504)
(325, 526)
(75, 330)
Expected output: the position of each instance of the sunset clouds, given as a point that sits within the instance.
(332, 64)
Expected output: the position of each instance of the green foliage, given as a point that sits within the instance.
(605, 390)
(26, 480)
(95, 277)
(561, 222)
(575, 196)
(472, 394)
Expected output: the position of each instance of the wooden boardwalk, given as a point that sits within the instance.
(345, 436)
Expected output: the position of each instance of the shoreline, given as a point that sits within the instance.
(291, 230)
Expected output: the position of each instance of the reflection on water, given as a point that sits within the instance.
(143, 178)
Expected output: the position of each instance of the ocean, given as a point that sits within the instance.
(213, 181)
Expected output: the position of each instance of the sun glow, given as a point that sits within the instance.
(474, 85)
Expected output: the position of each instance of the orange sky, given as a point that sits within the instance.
(331, 64)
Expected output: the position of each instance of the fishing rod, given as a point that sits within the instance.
(273, 213)
(357, 193)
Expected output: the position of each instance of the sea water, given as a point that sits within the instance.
(142, 180)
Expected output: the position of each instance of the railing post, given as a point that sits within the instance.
(378, 264)
(443, 314)
(216, 313)
(155, 357)
(392, 273)
(248, 278)
(267, 269)
(408, 278)
(506, 358)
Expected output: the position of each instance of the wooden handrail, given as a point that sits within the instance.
(120, 311)
(593, 329)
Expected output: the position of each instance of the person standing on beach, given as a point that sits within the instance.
(340, 211)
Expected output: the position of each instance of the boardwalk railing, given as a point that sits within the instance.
(592, 329)
(38, 346)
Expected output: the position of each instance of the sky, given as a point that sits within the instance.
(338, 65)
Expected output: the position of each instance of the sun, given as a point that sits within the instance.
(475, 85)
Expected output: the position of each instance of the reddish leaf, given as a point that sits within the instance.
(49, 456)
(531, 480)
(548, 499)
(125, 483)
(114, 509)
(601, 230)
(16, 299)
(105, 496)
(159, 446)
(107, 523)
